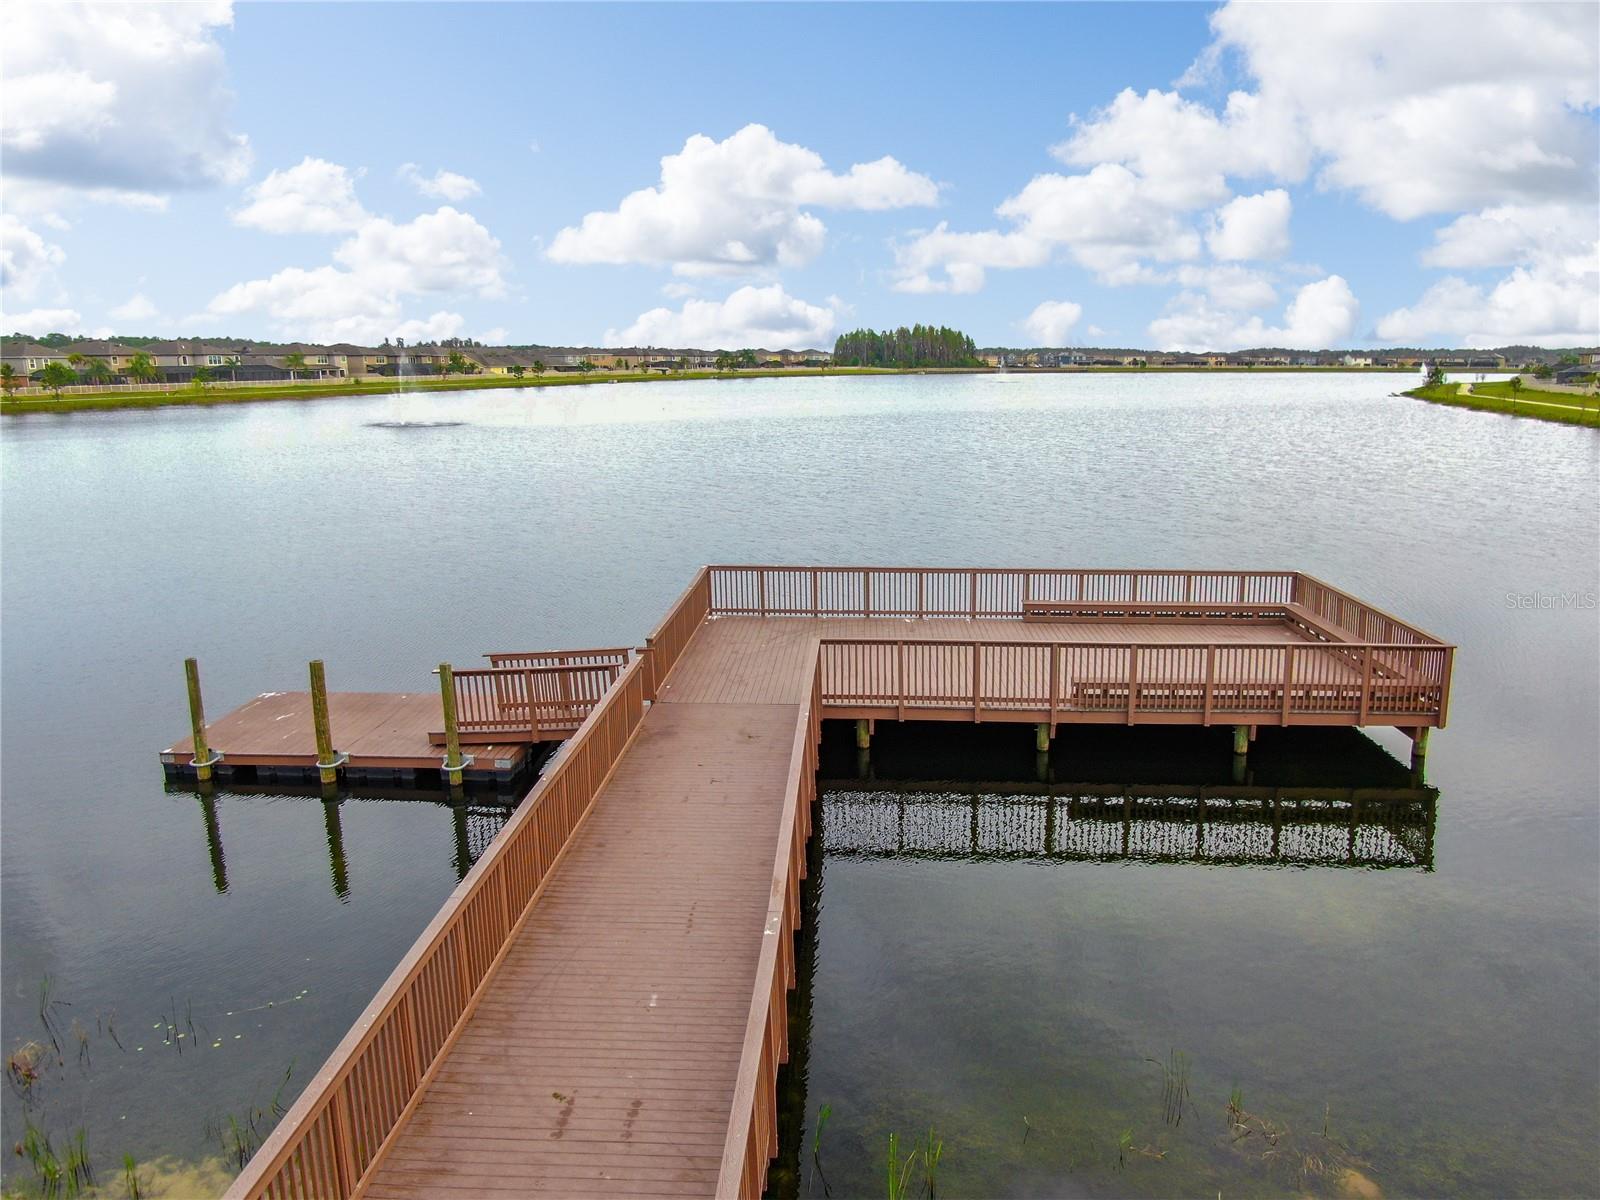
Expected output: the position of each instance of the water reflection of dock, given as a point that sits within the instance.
(1300, 826)
(474, 824)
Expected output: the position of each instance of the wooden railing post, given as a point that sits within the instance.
(1133, 681)
(1366, 683)
(1055, 681)
(1288, 681)
(900, 681)
(533, 710)
(816, 597)
(1211, 682)
(977, 681)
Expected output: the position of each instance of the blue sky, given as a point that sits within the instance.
(1180, 176)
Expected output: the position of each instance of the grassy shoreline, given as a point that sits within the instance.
(189, 397)
(1563, 408)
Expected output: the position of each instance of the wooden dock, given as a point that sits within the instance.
(600, 1006)
(502, 712)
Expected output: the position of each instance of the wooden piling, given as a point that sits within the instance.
(197, 721)
(863, 735)
(1241, 739)
(452, 733)
(1041, 737)
(327, 768)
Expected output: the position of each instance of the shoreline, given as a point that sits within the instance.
(189, 397)
(1557, 410)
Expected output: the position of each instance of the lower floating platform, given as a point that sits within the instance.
(382, 737)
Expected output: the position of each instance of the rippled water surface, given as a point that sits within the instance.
(1034, 970)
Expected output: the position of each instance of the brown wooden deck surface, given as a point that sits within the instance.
(389, 729)
(602, 1059)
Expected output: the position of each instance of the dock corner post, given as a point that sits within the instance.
(327, 763)
(452, 732)
(1041, 737)
(863, 734)
(197, 722)
(1419, 751)
(1241, 739)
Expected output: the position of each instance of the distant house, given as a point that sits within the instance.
(27, 358)
(500, 362)
(1575, 376)
(114, 354)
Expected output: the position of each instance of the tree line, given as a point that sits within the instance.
(918, 346)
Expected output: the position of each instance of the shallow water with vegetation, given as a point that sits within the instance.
(1142, 1003)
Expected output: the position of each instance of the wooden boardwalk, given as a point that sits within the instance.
(599, 1008)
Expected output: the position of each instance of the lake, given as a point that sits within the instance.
(1072, 1017)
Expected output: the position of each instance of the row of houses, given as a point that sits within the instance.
(1066, 359)
(179, 361)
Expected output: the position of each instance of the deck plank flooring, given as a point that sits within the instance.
(602, 1057)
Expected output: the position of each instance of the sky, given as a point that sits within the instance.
(1169, 176)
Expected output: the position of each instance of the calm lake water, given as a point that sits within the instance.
(1034, 971)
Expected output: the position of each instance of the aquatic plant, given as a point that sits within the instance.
(823, 1113)
(1174, 1086)
(1124, 1147)
(71, 1176)
(899, 1171)
(130, 1177)
(932, 1152)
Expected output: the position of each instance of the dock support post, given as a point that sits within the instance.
(1041, 766)
(452, 734)
(1240, 763)
(1241, 739)
(327, 767)
(863, 735)
(1419, 754)
(1041, 737)
(197, 722)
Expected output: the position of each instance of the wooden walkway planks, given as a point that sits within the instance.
(602, 1058)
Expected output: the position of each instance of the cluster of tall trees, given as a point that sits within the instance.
(919, 346)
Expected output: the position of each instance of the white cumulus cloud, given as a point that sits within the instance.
(1049, 323)
(136, 307)
(1251, 227)
(441, 185)
(360, 295)
(28, 262)
(750, 317)
(110, 97)
(39, 321)
(736, 206)
(1322, 315)
(314, 196)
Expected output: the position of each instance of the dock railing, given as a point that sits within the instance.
(920, 592)
(752, 1139)
(1289, 683)
(331, 1138)
(666, 644)
(513, 702)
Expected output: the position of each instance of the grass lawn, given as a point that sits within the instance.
(1561, 407)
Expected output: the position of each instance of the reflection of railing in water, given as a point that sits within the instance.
(474, 826)
(1362, 827)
